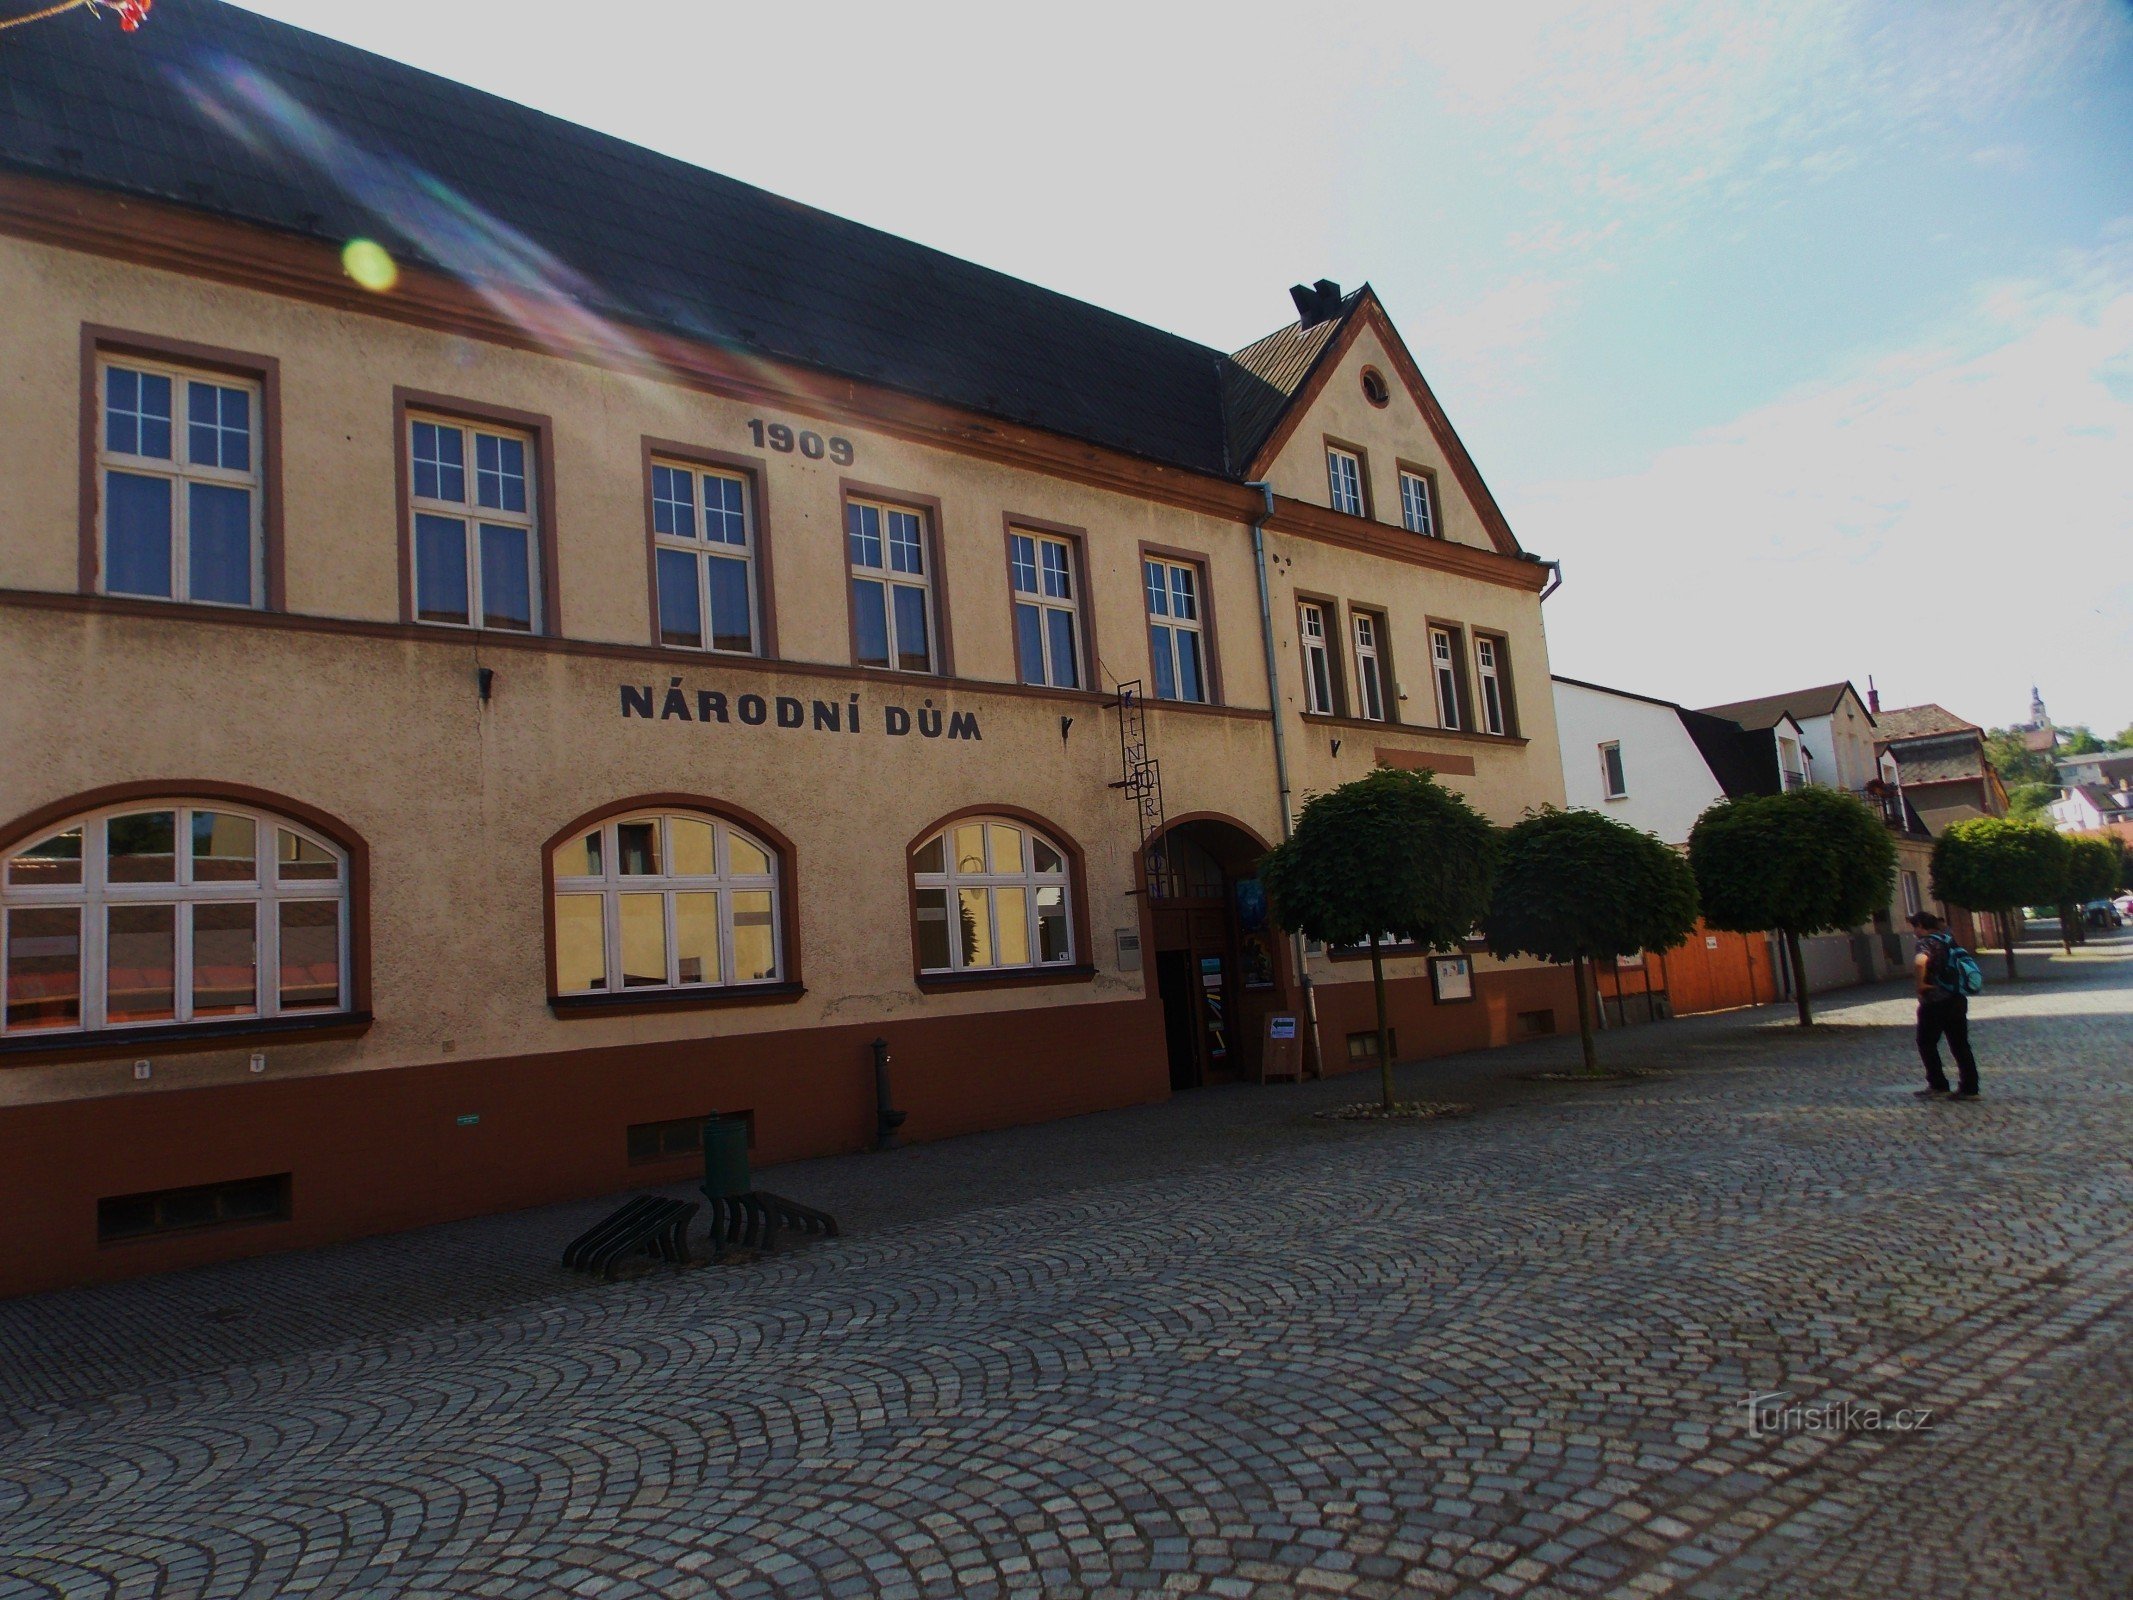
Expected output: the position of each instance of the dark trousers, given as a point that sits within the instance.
(1947, 1018)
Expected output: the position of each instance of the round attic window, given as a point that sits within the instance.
(1375, 389)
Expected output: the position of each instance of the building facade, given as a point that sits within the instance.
(494, 682)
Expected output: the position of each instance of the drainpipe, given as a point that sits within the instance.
(1281, 745)
(1555, 574)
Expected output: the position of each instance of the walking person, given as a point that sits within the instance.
(1943, 1010)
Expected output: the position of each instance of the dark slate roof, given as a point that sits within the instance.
(1265, 375)
(1800, 705)
(1945, 758)
(1743, 760)
(226, 111)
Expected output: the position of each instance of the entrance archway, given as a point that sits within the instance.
(1219, 967)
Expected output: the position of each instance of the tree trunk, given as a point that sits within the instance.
(1377, 982)
(2007, 940)
(1592, 1061)
(2066, 927)
(1799, 978)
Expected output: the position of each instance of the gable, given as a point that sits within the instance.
(1409, 429)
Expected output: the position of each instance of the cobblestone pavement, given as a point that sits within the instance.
(1215, 1347)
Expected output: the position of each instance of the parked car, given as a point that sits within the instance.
(2125, 904)
(2102, 914)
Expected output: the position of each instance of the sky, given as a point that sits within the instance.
(1800, 331)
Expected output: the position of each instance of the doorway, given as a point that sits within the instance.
(1215, 956)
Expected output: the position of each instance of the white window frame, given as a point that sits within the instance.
(1418, 503)
(1912, 904)
(179, 469)
(1488, 681)
(1037, 597)
(1025, 875)
(471, 514)
(891, 578)
(96, 895)
(1159, 577)
(1344, 481)
(1370, 703)
(704, 548)
(1319, 697)
(613, 883)
(1609, 788)
(1444, 675)
(1796, 769)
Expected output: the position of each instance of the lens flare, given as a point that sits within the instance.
(370, 264)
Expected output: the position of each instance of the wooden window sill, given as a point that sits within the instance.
(1004, 978)
(649, 1002)
(180, 1038)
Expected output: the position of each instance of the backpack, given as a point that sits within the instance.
(1955, 969)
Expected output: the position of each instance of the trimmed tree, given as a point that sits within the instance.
(2000, 865)
(2095, 868)
(1812, 861)
(1394, 855)
(1575, 886)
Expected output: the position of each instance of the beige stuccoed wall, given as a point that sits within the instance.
(387, 733)
(1388, 435)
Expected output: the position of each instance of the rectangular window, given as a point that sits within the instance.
(1369, 667)
(1613, 783)
(1344, 475)
(178, 460)
(474, 525)
(1444, 671)
(1047, 596)
(134, 1216)
(703, 544)
(1912, 905)
(1317, 662)
(1176, 629)
(1418, 505)
(1489, 675)
(892, 587)
(1791, 772)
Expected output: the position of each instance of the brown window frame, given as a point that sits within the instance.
(1336, 670)
(929, 509)
(1211, 652)
(98, 342)
(539, 428)
(634, 1002)
(1077, 540)
(1506, 685)
(1388, 676)
(1362, 473)
(1462, 672)
(751, 468)
(1083, 970)
(1414, 469)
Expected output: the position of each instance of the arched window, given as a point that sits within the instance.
(165, 912)
(665, 900)
(991, 893)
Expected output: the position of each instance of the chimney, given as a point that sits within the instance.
(1316, 302)
(1873, 696)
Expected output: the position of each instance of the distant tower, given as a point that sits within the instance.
(2038, 718)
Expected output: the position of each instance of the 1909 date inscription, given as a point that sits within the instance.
(784, 439)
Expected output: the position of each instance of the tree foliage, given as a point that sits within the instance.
(1573, 886)
(2015, 761)
(1576, 885)
(2096, 866)
(1393, 854)
(1998, 864)
(2031, 802)
(1812, 861)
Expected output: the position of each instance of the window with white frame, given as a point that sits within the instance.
(167, 912)
(991, 894)
(1791, 769)
(1369, 667)
(1317, 662)
(1047, 609)
(472, 519)
(1176, 629)
(178, 469)
(1418, 506)
(892, 586)
(1489, 678)
(1344, 474)
(1444, 670)
(1614, 783)
(1912, 904)
(703, 539)
(665, 900)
